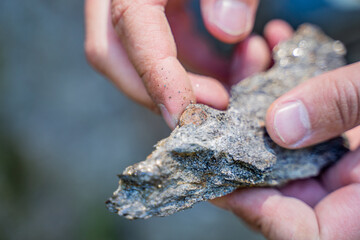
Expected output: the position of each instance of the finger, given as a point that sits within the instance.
(345, 172)
(310, 191)
(105, 53)
(194, 49)
(251, 56)
(209, 91)
(276, 216)
(277, 31)
(317, 110)
(338, 214)
(229, 20)
(353, 136)
(147, 38)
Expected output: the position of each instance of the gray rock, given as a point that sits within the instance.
(212, 152)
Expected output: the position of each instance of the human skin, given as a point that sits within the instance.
(135, 53)
(131, 43)
(325, 207)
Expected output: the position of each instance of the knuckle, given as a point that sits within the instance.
(347, 101)
(354, 102)
(118, 10)
(95, 53)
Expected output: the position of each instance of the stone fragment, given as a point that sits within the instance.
(212, 152)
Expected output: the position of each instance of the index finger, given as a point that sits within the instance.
(146, 35)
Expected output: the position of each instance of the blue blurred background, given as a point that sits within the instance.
(65, 132)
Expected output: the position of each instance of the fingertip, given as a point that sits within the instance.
(288, 122)
(344, 172)
(169, 119)
(310, 191)
(229, 20)
(209, 91)
(169, 86)
(203, 89)
(251, 56)
(220, 202)
(354, 138)
(277, 31)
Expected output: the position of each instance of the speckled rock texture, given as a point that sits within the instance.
(211, 152)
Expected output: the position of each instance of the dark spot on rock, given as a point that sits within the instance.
(221, 116)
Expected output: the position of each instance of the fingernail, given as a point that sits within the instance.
(170, 121)
(231, 16)
(291, 122)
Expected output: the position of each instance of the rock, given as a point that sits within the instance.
(212, 152)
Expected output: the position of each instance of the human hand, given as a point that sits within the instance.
(325, 207)
(131, 43)
(318, 208)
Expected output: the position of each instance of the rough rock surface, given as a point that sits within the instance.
(211, 152)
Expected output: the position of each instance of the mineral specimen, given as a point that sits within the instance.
(211, 152)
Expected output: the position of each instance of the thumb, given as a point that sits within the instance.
(317, 110)
(229, 20)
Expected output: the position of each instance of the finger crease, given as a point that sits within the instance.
(340, 108)
(354, 103)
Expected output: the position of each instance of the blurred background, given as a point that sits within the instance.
(65, 132)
